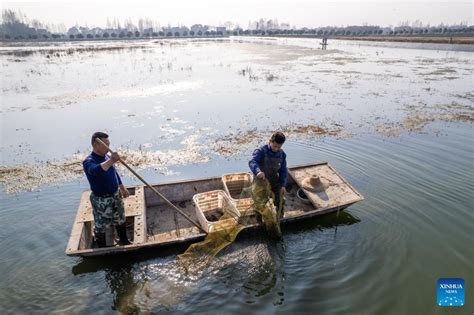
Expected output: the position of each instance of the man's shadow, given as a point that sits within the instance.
(119, 277)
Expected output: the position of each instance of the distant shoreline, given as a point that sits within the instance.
(465, 40)
(77, 40)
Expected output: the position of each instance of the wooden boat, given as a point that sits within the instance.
(151, 223)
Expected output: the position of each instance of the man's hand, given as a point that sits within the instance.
(124, 191)
(115, 157)
(283, 191)
(261, 175)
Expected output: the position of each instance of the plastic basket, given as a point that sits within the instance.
(245, 206)
(235, 183)
(210, 206)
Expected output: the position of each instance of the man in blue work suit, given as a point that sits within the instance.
(269, 161)
(107, 190)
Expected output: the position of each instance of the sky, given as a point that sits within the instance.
(299, 13)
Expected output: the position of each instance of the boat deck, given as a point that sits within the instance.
(153, 223)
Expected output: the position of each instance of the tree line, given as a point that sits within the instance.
(16, 26)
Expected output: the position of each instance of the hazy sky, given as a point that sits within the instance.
(296, 12)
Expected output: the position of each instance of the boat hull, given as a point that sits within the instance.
(151, 223)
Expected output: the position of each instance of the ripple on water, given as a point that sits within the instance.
(414, 225)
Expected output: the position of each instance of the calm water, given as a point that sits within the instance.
(381, 256)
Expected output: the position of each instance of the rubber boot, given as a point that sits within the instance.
(100, 240)
(122, 234)
(279, 198)
(282, 210)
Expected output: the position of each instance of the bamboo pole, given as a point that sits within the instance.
(153, 189)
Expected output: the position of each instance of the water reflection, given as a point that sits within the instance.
(122, 286)
(267, 276)
(120, 278)
(415, 220)
(152, 281)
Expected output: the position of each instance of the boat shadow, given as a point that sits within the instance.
(126, 288)
(323, 222)
(95, 264)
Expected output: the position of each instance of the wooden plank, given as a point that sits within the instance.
(75, 237)
(140, 223)
(139, 230)
(337, 192)
(77, 227)
(360, 198)
(85, 208)
(86, 236)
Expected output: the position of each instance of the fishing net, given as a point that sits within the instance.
(198, 256)
(225, 225)
(262, 196)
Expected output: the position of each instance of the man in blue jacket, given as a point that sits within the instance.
(107, 190)
(269, 161)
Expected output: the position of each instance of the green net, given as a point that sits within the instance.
(255, 200)
(262, 196)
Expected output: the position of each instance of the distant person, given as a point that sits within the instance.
(107, 190)
(269, 161)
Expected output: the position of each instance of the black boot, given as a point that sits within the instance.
(100, 240)
(122, 234)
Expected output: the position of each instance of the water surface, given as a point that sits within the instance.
(381, 256)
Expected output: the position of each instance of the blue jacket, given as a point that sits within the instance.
(257, 156)
(101, 182)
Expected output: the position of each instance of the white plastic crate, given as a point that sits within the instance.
(210, 206)
(245, 206)
(233, 185)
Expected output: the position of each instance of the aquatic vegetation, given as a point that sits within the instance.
(192, 101)
(417, 117)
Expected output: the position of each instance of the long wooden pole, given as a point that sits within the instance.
(154, 190)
